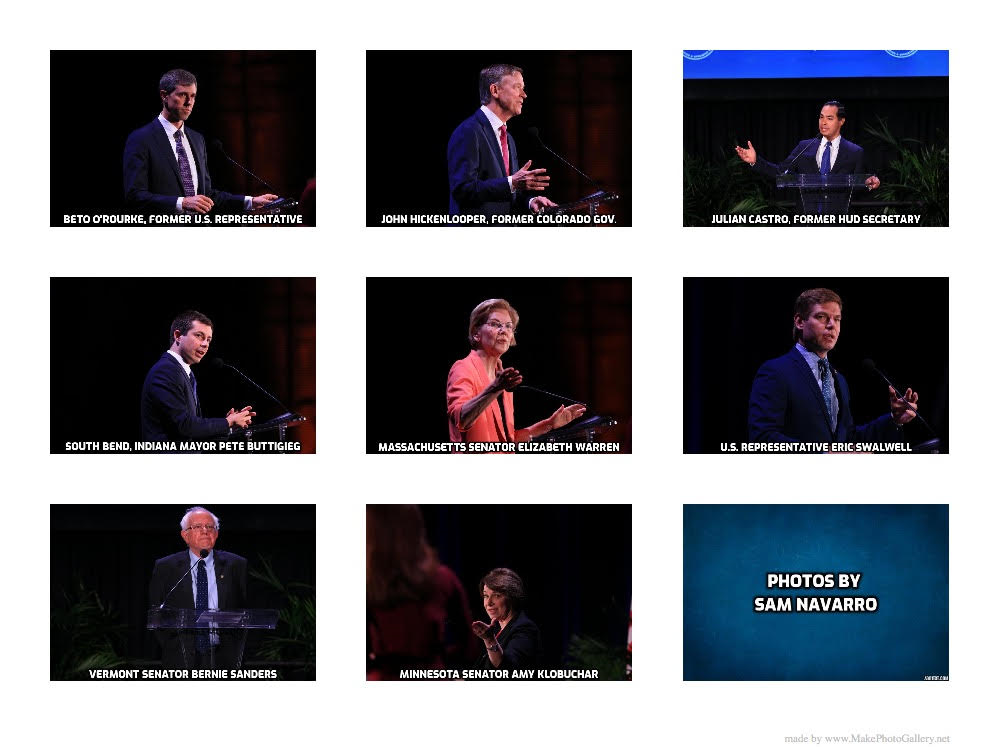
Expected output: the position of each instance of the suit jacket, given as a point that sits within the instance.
(153, 180)
(466, 379)
(786, 404)
(476, 178)
(521, 642)
(231, 581)
(802, 160)
(168, 408)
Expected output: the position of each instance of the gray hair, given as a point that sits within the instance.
(194, 510)
(173, 78)
(488, 76)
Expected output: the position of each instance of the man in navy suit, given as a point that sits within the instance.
(166, 165)
(830, 153)
(217, 582)
(170, 408)
(801, 397)
(483, 173)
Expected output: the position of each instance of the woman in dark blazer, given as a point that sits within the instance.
(512, 641)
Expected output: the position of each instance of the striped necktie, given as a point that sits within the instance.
(182, 163)
(827, 379)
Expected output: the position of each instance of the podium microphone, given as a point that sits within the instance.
(804, 149)
(557, 396)
(217, 145)
(869, 365)
(203, 554)
(219, 363)
(533, 131)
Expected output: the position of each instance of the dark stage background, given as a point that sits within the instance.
(574, 339)
(581, 103)
(775, 114)
(108, 332)
(111, 550)
(261, 105)
(575, 561)
(733, 325)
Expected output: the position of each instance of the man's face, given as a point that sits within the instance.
(509, 95)
(821, 328)
(201, 532)
(193, 345)
(178, 103)
(829, 125)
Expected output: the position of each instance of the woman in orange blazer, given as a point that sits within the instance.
(480, 403)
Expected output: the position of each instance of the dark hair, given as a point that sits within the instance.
(185, 321)
(508, 583)
(481, 314)
(841, 109)
(400, 564)
(493, 74)
(173, 78)
(805, 302)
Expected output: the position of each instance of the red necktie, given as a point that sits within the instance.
(503, 148)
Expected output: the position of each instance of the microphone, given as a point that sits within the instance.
(557, 396)
(203, 554)
(869, 365)
(217, 145)
(804, 149)
(533, 131)
(219, 363)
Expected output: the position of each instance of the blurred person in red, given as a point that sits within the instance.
(418, 613)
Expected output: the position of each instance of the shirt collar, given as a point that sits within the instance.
(811, 358)
(495, 121)
(209, 559)
(187, 368)
(835, 143)
(168, 126)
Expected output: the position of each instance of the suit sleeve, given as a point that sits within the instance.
(881, 430)
(464, 169)
(768, 403)
(859, 163)
(136, 176)
(171, 401)
(461, 388)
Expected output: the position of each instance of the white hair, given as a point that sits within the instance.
(195, 510)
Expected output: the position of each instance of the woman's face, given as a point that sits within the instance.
(497, 333)
(495, 604)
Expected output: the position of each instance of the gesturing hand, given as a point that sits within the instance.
(197, 204)
(565, 415)
(901, 414)
(482, 630)
(507, 379)
(747, 154)
(526, 179)
(242, 418)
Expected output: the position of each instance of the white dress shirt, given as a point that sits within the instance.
(834, 149)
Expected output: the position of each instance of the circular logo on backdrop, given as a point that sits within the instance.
(901, 54)
(698, 54)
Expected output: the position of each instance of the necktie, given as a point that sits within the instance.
(201, 603)
(503, 148)
(827, 379)
(194, 388)
(182, 163)
(824, 169)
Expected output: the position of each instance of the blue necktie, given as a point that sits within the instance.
(827, 379)
(194, 388)
(824, 169)
(201, 603)
(182, 163)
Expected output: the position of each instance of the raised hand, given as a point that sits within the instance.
(748, 154)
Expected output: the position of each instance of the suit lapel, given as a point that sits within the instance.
(192, 401)
(806, 376)
(185, 597)
(222, 579)
(167, 151)
(494, 408)
(491, 138)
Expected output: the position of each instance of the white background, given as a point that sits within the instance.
(657, 708)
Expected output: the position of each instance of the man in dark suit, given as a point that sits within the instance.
(512, 640)
(169, 408)
(217, 581)
(483, 173)
(166, 164)
(801, 397)
(829, 153)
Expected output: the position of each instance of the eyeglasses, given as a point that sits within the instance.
(509, 326)
(198, 527)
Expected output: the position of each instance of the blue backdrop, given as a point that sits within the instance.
(901, 549)
(823, 63)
